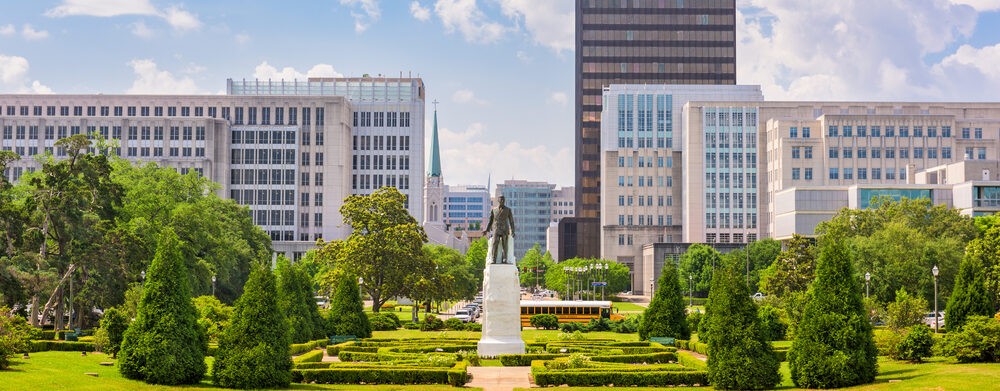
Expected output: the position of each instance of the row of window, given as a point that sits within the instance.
(183, 111)
(273, 137)
(723, 160)
(265, 115)
(730, 200)
(645, 181)
(727, 140)
(377, 181)
(663, 141)
(890, 131)
(645, 220)
(30, 132)
(731, 220)
(736, 118)
(263, 197)
(643, 161)
(380, 162)
(890, 153)
(381, 143)
(130, 151)
(849, 173)
(381, 119)
(645, 200)
(734, 180)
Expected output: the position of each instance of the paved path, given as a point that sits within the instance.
(500, 378)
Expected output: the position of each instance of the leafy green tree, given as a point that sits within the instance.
(792, 271)
(213, 316)
(164, 345)
(346, 315)
(253, 351)
(763, 253)
(451, 263)
(818, 357)
(906, 311)
(977, 341)
(617, 276)
(666, 314)
(114, 323)
(917, 343)
(476, 257)
(969, 297)
(740, 356)
(296, 298)
(533, 265)
(385, 247)
(15, 335)
(773, 322)
(698, 261)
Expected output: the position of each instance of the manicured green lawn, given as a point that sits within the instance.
(527, 334)
(937, 374)
(628, 307)
(65, 370)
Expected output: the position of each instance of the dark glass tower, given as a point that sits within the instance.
(637, 42)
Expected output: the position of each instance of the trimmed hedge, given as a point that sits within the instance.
(688, 360)
(648, 358)
(523, 360)
(312, 356)
(456, 376)
(621, 376)
(297, 348)
(65, 346)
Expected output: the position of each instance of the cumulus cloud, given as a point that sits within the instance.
(523, 56)
(550, 23)
(420, 12)
(7, 30)
(559, 98)
(467, 159)
(30, 33)
(266, 71)
(140, 30)
(370, 13)
(816, 49)
(14, 77)
(178, 18)
(150, 79)
(242, 39)
(465, 17)
(980, 5)
(467, 96)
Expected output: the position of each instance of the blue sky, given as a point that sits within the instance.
(502, 69)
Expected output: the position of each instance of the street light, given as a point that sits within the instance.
(935, 271)
(143, 274)
(868, 277)
(566, 271)
(591, 279)
(651, 286)
(213, 285)
(690, 290)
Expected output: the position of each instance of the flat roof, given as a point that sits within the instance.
(565, 303)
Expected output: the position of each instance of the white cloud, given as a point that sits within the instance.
(177, 18)
(266, 71)
(467, 96)
(102, 8)
(817, 49)
(14, 77)
(466, 17)
(550, 23)
(30, 33)
(370, 13)
(467, 159)
(151, 80)
(242, 39)
(559, 98)
(523, 56)
(193, 68)
(7, 30)
(140, 29)
(419, 12)
(181, 19)
(984, 60)
(980, 5)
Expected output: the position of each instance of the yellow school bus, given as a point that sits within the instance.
(567, 311)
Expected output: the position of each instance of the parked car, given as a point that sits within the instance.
(929, 319)
(463, 315)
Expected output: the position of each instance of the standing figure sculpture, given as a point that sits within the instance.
(503, 231)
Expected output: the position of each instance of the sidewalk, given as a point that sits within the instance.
(500, 378)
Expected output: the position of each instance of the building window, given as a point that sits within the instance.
(805, 132)
(965, 132)
(796, 152)
(833, 153)
(809, 152)
(862, 173)
(831, 131)
(809, 174)
(796, 174)
(834, 173)
(793, 132)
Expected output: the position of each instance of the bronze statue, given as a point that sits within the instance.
(504, 218)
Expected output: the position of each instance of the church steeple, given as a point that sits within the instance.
(435, 147)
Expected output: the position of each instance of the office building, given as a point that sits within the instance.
(387, 139)
(563, 203)
(287, 158)
(637, 42)
(532, 206)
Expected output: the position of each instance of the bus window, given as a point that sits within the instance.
(524, 310)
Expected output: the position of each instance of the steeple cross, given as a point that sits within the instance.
(435, 103)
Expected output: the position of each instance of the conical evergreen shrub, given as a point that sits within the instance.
(666, 315)
(346, 315)
(969, 296)
(165, 345)
(295, 295)
(833, 347)
(740, 356)
(253, 351)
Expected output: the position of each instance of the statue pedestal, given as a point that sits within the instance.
(502, 311)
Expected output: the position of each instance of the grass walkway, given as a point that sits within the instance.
(65, 370)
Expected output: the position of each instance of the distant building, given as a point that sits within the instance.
(536, 205)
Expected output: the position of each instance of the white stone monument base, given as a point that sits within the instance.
(493, 346)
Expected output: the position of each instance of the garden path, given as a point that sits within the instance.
(500, 378)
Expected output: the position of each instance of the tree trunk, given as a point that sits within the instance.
(34, 311)
(50, 303)
(376, 304)
(59, 313)
(414, 311)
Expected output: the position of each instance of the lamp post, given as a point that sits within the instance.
(70, 300)
(652, 286)
(213, 285)
(690, 290)
(566, 272)
(591, 279)
(935, 271)
(143, 274)
(868, 277)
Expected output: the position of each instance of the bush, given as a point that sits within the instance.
(310, 356)
(456, 376)
(628, 325)
(888, 343)
(213, 316)
(618, 375)
(665, 316)
(573, 327)
(411, 326)
(454, 324)
(253, 350)
(818, 357)
(772, 323)
(978, 341)
(346, 315)
(383, 321)
(694, 319)
(917, 344)
(598, 324)
(296, 299)
(473, 327)
(113, 326)
(906, 311)
(739, 354)
(297, 348)
(60, 346)
(523, 360)
(166, 324)
(431, 323)
(545, 321)
(969, 297)
(15, 335)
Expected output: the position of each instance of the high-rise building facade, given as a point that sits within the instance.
(387, 139)
(637, 42)
(287, 158)
(532, 206)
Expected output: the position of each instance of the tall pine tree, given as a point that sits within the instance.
(969, 296)
(740, 356)
(165, 345)
(295, 295)
(253, 350)
(346, 315)
(666, 315)
(833, 347)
